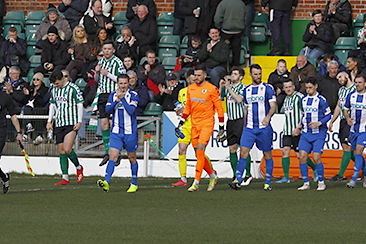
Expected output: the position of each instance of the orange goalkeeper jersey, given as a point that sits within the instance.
(202, 102)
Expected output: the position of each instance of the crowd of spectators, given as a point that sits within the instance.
(73, 41)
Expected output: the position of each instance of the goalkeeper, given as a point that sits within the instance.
(203, 100)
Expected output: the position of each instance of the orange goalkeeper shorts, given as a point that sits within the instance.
(201, 134)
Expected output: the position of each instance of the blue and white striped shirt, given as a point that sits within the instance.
(356, 103)
(315, 109)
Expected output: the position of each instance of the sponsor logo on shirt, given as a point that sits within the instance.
(310, 109)
(254, 99)
(198, 100)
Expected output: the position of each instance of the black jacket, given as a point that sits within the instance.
(41, 98)
(2, 9)
(284, 5)
(177, 11)
(167, 100)
(323, 40)
(328, 87)
(55, 54)
(11, 52)
(277, 80)
(144, 98)
(156, 74)
(150, 4)
(74, 12)
(123, 49)
(217, 57)
(18, 96)
(91, 26)
(145, 31)
(343, 13)
(7, 106)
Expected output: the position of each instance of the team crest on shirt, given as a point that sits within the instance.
(204, 91)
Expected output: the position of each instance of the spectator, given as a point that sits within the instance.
(323, 64)
(132, 7)
(80, 52)
(354, 67)
(198, 16)
(73, 10)
(230, 19)
(126, 45)
(151, 72)
(102, 37)
(300, 72)
(361, 37)
(276, 79)
(95, 20)
(59, 21)
(107, 7)
(190, 59)
(16, 87)
(328, 85)
(145, 30)
(339, 14)
(141, 90)
(280, 13)
(249, 16)
(2, 11)
(13, 52)
(178, 27)
(129, 63)
(214, 55)
(168, 93)
(38, 96)
(90, 91)
(318, 37)
(54, 53)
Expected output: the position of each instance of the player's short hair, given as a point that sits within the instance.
(56, 75)
(196, 39)
(254, 66)
(189, 72)
(129, 56)
(361, 76)
(107, 42)
(201, 67)
(317, 11)
(332, 62)
(123, 76)
(14, 68)
(150, 51)
(289, 80)
(237, 68)
(12, 29)
(311, 80)
(281, 61)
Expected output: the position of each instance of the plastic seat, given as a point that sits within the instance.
(46, 81)
(259, 30)
(165, 31)
(169, 41)
(80, 83)
(35, 61)
(30, 34)
(184, 43)
(35, 17)
(358, 21)
(153, 109)
(120, 18)
(14, 17)
(167, 52)
(345, 43)
(17, 26)
(169, 63)
(31, 50)
(342, 56)
(165, 18)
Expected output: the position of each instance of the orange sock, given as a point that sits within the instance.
(208, 166)
(200, 154)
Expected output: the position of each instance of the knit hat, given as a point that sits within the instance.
(52, 9)
(52, 30)
(171, 76)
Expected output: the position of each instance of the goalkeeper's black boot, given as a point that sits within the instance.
(105, 160)
(235, 185)
(6, 184)
(118, 160)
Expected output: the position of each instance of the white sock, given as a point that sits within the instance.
(320, 182)
(212, 176)
(183, 178)
(196, 182)
(65, 177)
(78, 167)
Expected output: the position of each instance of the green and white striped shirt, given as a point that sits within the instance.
(234, 110)
(292, 109)
(115, 67)
(342, 94)
(65, 100)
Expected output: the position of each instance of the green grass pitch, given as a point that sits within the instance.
(35, 211)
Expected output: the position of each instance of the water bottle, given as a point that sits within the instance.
(50, 135)
(179, 133)
(199, 10)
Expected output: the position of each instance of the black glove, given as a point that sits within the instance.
(179, 133)
(221, 136)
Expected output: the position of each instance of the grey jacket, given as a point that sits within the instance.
(61, 24)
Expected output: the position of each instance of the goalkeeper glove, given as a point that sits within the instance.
(178, 131)
(221, 136)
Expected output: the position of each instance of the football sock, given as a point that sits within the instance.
(311, 163)
(105, 137)
(286, 166)
(353, 156)
(134, 169)
(344, 163)
(320, 171)
(182, 163)
(248, 166)
(200, 154)
(65, 177)
(233, 161)
(109, 170)
(74, 159)
(240, 169)
(64, 162)
(358, 166)
(2, 175)
(304, 172)
(208, 165)
(269, 170)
